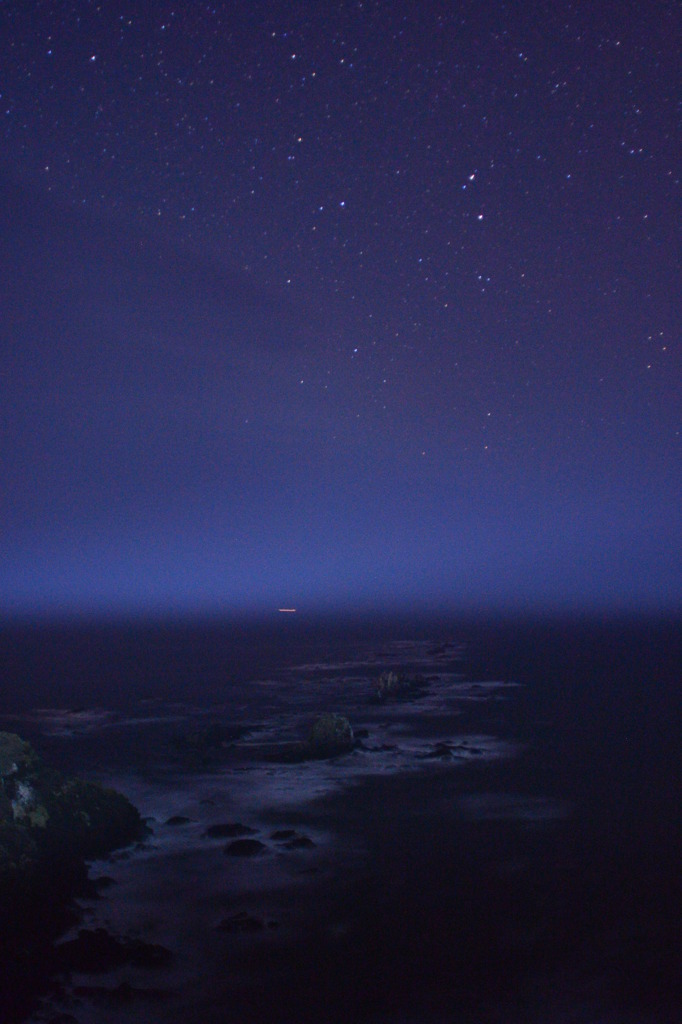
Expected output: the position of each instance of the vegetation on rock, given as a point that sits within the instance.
(49, 826)
(398, 686)
(44, 814)
(331, 734)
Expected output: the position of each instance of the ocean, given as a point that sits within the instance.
(501, 845)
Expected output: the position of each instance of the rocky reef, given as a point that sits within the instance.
(50, 825)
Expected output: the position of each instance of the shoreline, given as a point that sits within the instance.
(416, 872)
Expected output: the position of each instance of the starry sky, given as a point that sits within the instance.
(351, 305)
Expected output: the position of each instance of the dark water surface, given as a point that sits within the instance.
(504, 848)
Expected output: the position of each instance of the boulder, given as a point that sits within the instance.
(229, 830)
(245, 848)
(398, 686)
(330, 735)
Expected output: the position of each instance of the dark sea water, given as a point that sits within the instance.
(505, 847)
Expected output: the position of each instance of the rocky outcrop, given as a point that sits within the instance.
(330, 735)
(43, 813)
(398, 686)
(50, 825)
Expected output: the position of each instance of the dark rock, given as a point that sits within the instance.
(95, 951)
(292, 840)
(229, 830)
(241, 922)
(6, 813)
(50, 825)
(398, 686)
(245, 848)
(52, 816)
(120, 995)
(178, 819)
(90, 819)
(17, 757)
(442, 751)
(474, 751)
(19, 855)
(300, 843)
(330, 735)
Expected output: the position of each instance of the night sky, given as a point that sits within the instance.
(340, 306)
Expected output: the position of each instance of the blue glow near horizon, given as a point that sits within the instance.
(490, 564)
(322, 372)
